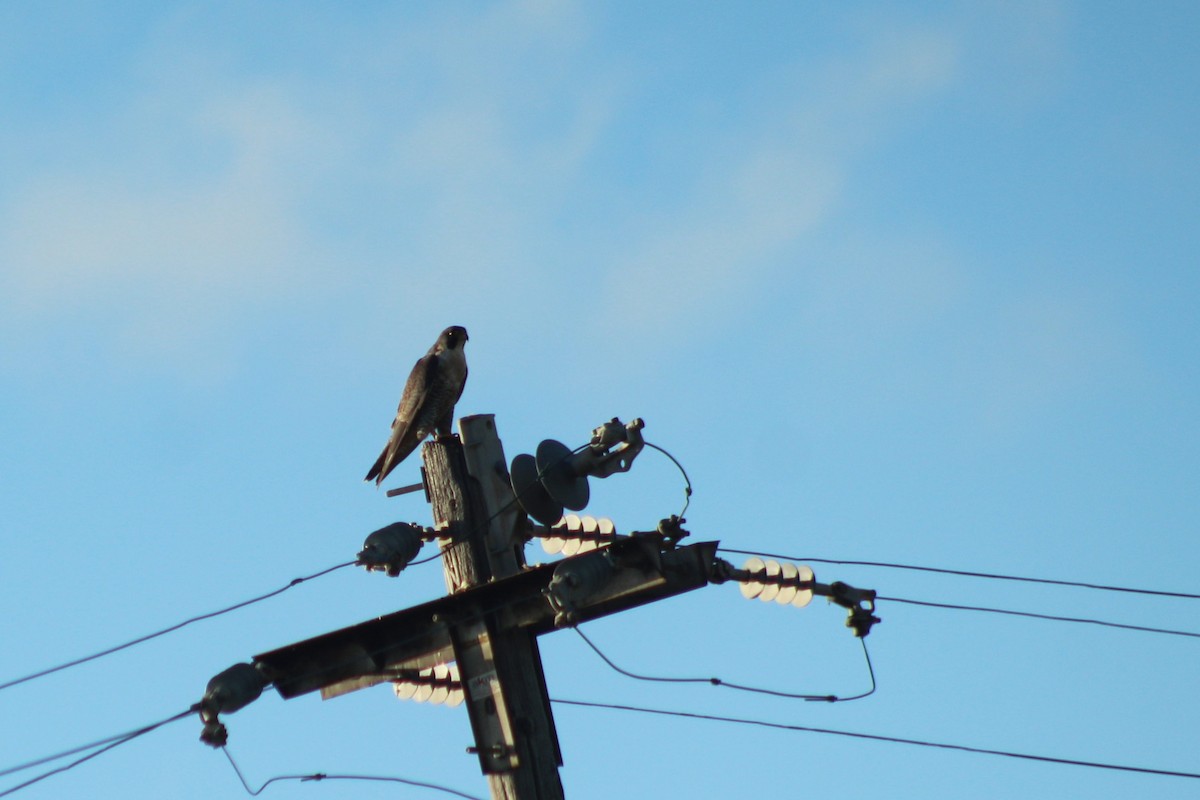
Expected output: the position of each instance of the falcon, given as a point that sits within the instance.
(427, 405)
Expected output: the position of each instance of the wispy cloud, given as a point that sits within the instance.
(162, 264)
(450, 154)
(202, 206)
(781, 178)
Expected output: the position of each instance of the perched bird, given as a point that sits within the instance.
(427, 405)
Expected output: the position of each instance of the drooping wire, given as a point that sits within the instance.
(175, 627)
(98, 748)
(969, 574)
(634, 675)
(825, 698)
(877, 738)
(687, 488)
(321, 776)
(1030, 614)
(110, 742)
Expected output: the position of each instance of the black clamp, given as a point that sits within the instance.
(860, 602)
(671, 530)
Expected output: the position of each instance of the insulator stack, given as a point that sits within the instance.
(786, 584)
(557, 477)
(575, 534)
(438, 685)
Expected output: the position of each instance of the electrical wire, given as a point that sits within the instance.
(687, 489)
(1029, 614)
(177, 626)
(114, 741)
(970, 574)
(243, 604)
(825, 698)
(425, 560)
(103, 745)
(111, 742)
(878, 738)
(321, 776)
(91, 745)
(1052, 617)
(235, 607)
(541, 472)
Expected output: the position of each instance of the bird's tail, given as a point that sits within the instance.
(376, 471)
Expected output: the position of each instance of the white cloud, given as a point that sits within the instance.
(456, 139)
(141, 217)
(194, 200)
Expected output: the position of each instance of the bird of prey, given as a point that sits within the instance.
(427, 405)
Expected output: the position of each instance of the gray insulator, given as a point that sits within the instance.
(391, 548)
(574, 581)
(234, 688)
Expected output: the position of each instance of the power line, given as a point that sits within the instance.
(879, 738)
(177, 626)
(321, 776)
(186, 622)
(104, 746)
(826, 698)
(118, 739)
(425, 560)
(687, 488)
(268, 595)
(294, 582)
(63, 754)
(1053, 617)
(970, 574)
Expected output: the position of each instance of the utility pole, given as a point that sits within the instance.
(496, 606)
(476, 514)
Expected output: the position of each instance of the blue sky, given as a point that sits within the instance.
(910, 286)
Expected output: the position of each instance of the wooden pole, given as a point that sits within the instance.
(499, 664)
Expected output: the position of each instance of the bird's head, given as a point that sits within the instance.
(453, 337)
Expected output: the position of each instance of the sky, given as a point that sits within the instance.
(906, 285)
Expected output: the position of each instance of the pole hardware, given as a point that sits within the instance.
(557, 477)
(478, 645)
(228, 691)
(392, 548)
(574, 581)
(795, 585)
